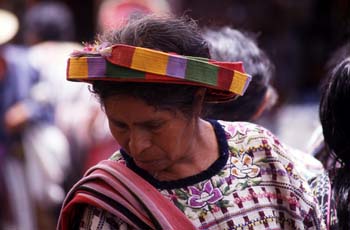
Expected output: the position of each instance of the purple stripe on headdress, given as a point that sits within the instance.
(249, 78)
(96, 67)
(176, 67)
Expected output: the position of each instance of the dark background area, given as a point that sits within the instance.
(299, 36)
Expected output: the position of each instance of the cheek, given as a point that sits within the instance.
(173, 142)
(163, 141)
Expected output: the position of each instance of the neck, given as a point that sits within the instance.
(203, 151)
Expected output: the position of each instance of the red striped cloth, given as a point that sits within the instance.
(116, 189)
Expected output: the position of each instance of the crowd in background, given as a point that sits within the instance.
(52, 130)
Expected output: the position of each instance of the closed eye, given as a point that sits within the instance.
(153, 125)
(119, 125)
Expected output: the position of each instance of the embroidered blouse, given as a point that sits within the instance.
(257, 183)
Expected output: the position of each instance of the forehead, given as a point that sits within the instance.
(134, 110)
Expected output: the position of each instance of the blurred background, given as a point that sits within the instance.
(67, 132)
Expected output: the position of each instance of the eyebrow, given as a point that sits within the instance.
(143, 123)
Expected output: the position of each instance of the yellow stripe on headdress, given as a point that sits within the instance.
(143, 60)
(77, 68)
(238, 83)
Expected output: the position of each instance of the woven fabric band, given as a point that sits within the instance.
(136, 64)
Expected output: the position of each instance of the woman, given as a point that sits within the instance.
(218, 175)
(334, 117)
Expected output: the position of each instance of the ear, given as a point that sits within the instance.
(198, 101)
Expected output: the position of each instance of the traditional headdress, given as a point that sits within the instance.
(124, 63)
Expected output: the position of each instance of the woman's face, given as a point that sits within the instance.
(157, 140)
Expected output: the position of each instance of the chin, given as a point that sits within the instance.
(151, 166)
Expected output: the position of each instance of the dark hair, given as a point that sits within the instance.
(227, 44)
(334, 116)
(339, 55)
(164, 33)
(49, 21)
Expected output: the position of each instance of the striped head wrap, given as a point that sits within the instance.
(124, 63)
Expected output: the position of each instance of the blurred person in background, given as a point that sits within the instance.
(114, 13)
(19, 110)
(53, 150)
(329, 141)
(49, 31)
(316, 145)
(334, 117)
(230, 45)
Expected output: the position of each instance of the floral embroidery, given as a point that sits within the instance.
(208, 195)
(233, 130)
(244, 167)
(216, 208)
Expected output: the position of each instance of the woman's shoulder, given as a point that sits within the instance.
(259, 160)
(259, 142)
(242, 128)
(246, 134)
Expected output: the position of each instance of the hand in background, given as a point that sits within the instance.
(16, 117)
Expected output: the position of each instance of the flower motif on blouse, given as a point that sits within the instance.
(244, 167)
(208, 195)
(235, 129)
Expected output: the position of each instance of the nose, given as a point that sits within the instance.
(138, 142)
